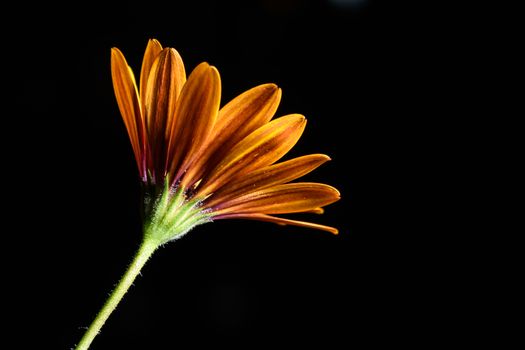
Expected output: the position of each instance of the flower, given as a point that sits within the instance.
(199, 162)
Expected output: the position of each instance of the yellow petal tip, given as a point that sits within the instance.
(115, 51)
(270, 86)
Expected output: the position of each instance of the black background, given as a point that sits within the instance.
(353, 70)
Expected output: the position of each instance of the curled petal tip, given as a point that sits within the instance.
(334, 190)
(318, 211)
(116, 52)
(172, 51)
(270, 87)
(213, 70)
(202, 65)
(297, 119)
(325, 157)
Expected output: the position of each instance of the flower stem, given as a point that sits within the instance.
(146, 249)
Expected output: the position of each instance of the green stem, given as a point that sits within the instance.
(145, 251)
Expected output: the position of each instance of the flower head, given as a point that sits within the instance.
(199, 162)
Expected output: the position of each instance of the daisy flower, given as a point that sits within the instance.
(200, 163)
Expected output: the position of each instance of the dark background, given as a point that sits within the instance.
(353, 68)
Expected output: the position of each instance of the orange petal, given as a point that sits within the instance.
(268, 176)
(280, 221)
(281, 199)
(262, 147)
(246, 113)
(152, 52)
(180, 81)
(128, 102)
(315, 211)
(195, 115)
(240, 117)
(164, 84)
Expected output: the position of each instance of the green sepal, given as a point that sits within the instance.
(172, 215)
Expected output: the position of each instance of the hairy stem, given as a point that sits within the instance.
(145, 251)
